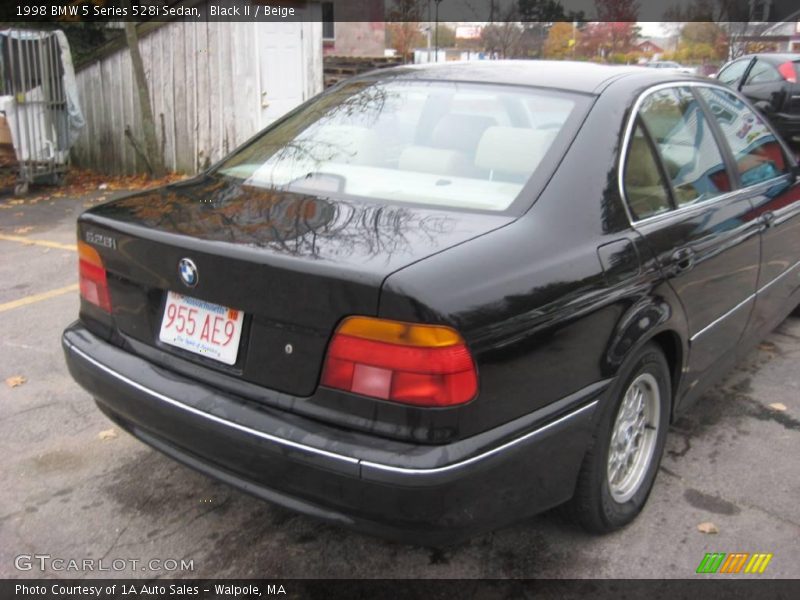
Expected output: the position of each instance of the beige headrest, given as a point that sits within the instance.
(432, 160)
(513, 149)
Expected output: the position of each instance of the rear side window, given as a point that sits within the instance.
(459, 145)
(645, 189)
(685, 142)
(758, 154)
(762, 72)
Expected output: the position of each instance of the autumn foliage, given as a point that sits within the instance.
(83, 181)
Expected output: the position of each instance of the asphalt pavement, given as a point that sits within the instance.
(74, 487)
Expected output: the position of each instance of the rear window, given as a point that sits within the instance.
(448, 144)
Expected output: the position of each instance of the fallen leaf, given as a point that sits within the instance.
(707, 527)
(768, 346)
(15, 381)
(22, 230)
(108, 434)
(779, 406)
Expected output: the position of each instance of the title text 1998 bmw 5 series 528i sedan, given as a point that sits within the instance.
(432, 301)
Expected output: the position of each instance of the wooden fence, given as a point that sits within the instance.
(212, 86)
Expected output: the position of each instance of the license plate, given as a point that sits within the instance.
(201, 327)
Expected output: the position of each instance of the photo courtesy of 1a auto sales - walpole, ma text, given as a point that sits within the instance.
(399, 299)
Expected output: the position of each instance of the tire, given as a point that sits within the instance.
(612, 488)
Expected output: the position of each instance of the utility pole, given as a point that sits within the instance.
(436, 31)
(429, 31)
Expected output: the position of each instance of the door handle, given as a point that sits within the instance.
(767, 219)
(682, 260)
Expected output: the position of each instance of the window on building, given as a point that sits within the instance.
(327, 21)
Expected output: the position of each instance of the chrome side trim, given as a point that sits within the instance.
(317, 451)
(210, 417)
(716, 321)
(779, 277)
(487, 454)
(760, 291)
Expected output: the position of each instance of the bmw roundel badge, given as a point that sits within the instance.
(188, 272)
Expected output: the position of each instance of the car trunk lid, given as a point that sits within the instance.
(294, 263)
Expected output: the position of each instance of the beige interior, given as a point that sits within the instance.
(644, 187)
(513, 150)
(425, 159)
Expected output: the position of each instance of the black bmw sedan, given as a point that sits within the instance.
(436, 300)
(772, 83)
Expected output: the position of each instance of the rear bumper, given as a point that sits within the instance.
(416, 493)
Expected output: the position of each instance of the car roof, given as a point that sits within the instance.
(774, 56)
(576, 76)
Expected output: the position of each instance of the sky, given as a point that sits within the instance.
(652, 29)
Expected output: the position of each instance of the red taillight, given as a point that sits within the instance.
(788, 71)
(92, 277)
(423, 365)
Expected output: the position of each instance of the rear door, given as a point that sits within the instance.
(680, 190)
(764, 170)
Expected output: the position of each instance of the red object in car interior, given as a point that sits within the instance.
(788, 71)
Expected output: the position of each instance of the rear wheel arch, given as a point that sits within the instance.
(669, 341)
(657, 317)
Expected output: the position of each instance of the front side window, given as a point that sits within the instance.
(446, 144)
(758, 154)
(685, 142)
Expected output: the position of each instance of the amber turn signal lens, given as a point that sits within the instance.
(92, 277)
(398, 332)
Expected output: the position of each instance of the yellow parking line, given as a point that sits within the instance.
(38, 297)
(28, 241)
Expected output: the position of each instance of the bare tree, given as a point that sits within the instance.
(151, 152)
(503, 38)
